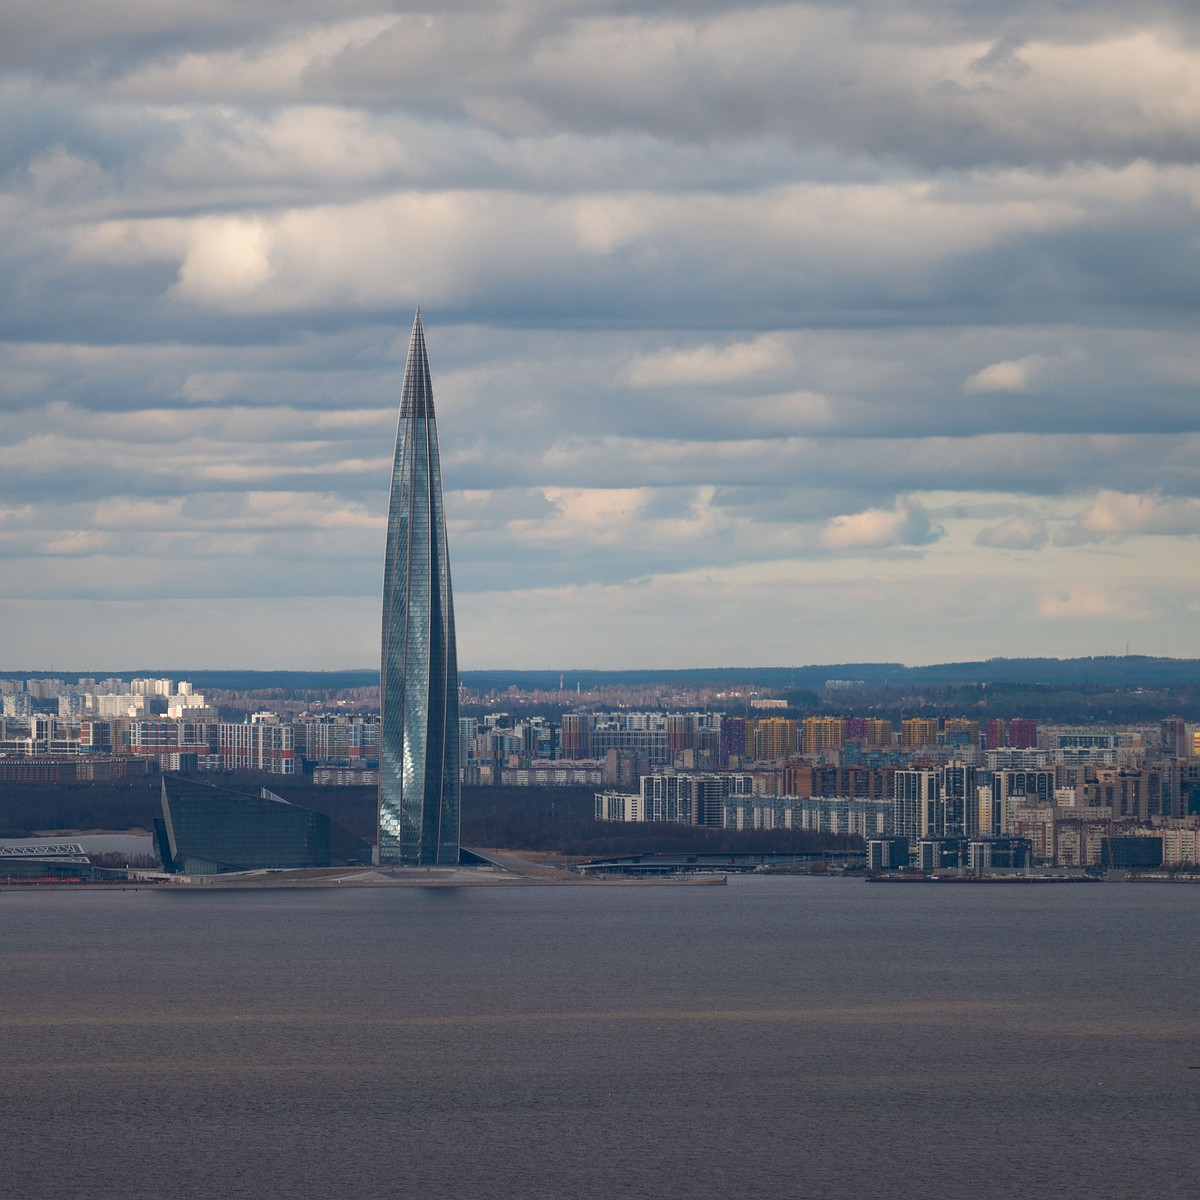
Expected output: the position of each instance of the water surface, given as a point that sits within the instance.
(778, 1037)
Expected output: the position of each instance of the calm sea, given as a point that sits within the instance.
(776, 1037)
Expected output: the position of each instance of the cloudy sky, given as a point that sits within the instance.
(788, 333)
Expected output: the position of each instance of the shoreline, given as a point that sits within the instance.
(282, 882)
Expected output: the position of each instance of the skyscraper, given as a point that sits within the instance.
(418, 739)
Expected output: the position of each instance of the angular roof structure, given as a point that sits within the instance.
(208, 830)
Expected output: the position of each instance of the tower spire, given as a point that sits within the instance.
(418, 751)
(416, 396)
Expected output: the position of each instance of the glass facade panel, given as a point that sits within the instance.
(206, 829)
(418, 752)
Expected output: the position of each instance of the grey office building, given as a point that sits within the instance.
(418, 739)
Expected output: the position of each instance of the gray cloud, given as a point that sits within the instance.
(1017, 533)
(1003, 58)
(1114, 516)
(918, 287)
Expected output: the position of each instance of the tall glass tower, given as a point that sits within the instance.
(418, 739)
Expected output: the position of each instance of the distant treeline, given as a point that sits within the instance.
(291, 682)
(560, 820)
(26, 808)
(1090, 704)
(563, 820)
(1107, 671)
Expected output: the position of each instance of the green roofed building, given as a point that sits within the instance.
(207, 830)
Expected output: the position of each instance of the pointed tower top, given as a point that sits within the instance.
(416, 396)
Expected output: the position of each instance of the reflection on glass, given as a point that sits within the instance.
(418, 752)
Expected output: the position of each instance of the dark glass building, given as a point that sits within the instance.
(207, 830)
(418, 738)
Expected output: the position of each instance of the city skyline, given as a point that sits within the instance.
(805, 334)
